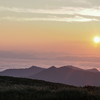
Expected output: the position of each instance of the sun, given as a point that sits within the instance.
(96, 39)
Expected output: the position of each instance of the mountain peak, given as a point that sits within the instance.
(53, 67)
(33, 67)
(25, 72)
(72, 67)
(93, 70)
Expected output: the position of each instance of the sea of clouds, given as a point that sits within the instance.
(23, 63)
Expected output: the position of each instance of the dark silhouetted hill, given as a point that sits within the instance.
(14, 88)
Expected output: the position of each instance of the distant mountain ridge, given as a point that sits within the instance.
(76, 68)
(70, 75)
(21, 72)
(93, 70)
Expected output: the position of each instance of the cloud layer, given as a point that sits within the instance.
(64, 10)
(77, 13)
(70, 19)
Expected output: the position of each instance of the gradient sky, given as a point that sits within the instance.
(61, 26)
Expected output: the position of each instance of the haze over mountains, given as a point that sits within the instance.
(67, 74)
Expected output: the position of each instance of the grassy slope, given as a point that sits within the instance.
(12, 88)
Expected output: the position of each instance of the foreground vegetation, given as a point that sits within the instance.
(27, 89)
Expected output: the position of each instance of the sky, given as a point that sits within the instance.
(61, 30)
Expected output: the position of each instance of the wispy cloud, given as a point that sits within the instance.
(64, 10)
(79, 58)
(65, 19)
(82, 1)
(77, 12)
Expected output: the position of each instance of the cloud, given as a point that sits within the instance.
(18, 63)
(63, 19)
(95, 11)
(79, 58)
(81, 1)
(80, 14)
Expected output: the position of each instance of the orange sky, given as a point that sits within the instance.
(50, 32)
(50, 26)
(41, 36)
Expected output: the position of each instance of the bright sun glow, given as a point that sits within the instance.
(96, 39)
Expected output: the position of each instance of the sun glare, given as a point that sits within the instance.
(96, 39)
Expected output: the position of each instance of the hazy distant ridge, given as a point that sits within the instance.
(67, 74)
(21, 72)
